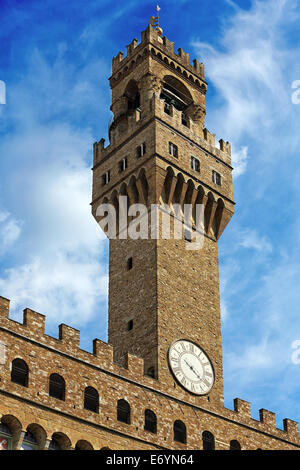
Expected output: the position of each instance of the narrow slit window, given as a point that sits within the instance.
(195, 164)
(129, 263)
(184, 120)
(123, 164)
(106, 178)
(130, 325)
(141, 150)
(173, 149)
(216, 177)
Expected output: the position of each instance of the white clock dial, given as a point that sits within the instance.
(191, 367)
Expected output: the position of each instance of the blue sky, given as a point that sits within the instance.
(55, 60)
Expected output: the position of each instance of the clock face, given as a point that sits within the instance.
(191, 367)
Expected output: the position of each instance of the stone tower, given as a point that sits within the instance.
(160, 152)
(158, 385)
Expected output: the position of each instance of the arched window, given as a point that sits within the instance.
(60, 441)
(133, 96)
(19, 372)
(5, 437)
(175, 93)
(57, 386)
(83, 445)
(150, 421)
(208, 440)
(29, 442)
(54, 445)
(179, 432)
(235, 445)
(123, 411)
(91, 399)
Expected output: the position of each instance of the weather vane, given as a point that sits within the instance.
(154, 20)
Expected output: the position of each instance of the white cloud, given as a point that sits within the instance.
(250, 69)
(252, 240)
(239, 161)
(65, 287)
(10, 230)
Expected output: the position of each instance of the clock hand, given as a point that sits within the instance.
(192, 369)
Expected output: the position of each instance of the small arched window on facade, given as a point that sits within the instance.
(150, 421)
(235, 445)
(83, 445)
(5, 437)
(29, 442)
(19, 372)
(91, 399)
(57, 386)
(208, 441)
(123, 411)
(179, 432)
(133, 96)
(54, 445)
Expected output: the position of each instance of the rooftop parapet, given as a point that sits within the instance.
(153, 36)
(4, 307)
(34, 321)
(222, 151)
(267, 419)
(68, 341)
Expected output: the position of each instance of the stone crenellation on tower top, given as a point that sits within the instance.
(162, 46)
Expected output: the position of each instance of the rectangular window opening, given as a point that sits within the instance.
(141, 150)
(216, 177)
(195, 164)
(184, 120)
(106, 178)
(129, 263)
(173, 150)
(123, 164)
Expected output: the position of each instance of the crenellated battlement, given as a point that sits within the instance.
(267, 419)
(153, 37)
(68, 343)
(139, 118)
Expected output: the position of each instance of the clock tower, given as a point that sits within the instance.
(164, 301)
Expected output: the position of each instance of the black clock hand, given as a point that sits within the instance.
(192, 369)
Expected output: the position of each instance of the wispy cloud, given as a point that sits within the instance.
(10, 230)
